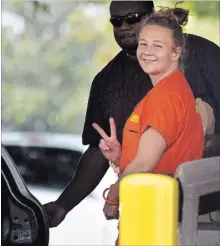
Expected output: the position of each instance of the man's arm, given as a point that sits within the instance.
(91, 169)
(92, 165)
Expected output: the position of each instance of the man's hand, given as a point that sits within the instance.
(55, 213)
(109, 146)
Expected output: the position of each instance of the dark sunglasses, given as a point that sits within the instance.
(130, 19)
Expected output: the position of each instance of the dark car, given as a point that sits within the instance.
(23, 219)
(45, 159)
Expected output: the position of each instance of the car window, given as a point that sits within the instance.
(53, 167)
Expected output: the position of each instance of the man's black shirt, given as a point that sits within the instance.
(117, 89)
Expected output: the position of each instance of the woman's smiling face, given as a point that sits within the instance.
(156, 51)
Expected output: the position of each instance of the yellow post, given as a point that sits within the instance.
(149, 210)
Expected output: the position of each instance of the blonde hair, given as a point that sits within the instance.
(174, 19)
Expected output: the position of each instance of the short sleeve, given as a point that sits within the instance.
(165, 116)
(94, 114)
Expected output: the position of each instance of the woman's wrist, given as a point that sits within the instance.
(107, 199)
(116, 163)
(115, 166)
(114, 192)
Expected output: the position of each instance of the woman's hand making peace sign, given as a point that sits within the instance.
(109, 146)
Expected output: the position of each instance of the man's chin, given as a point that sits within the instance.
(128, 44)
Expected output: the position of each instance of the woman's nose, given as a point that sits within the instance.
(148, 50)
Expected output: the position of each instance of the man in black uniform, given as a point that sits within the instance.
(120, 86)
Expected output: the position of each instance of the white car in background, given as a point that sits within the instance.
(47, 162)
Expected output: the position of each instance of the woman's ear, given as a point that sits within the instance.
(176, 53)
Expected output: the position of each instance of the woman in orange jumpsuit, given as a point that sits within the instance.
(165, 128)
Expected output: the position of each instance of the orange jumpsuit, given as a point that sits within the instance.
(171, 109)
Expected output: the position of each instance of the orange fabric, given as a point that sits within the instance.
(171, 109)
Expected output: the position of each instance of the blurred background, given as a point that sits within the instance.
(51, 51)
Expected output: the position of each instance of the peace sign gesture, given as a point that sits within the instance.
(109, 146)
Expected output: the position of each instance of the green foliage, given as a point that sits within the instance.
(203, 9)
(41, 6)
(200, 9)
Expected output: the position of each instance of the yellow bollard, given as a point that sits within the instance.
(149, 210)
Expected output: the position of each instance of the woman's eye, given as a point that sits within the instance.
(158, 46)
(142, 44)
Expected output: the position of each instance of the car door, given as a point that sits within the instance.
(23, 217)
